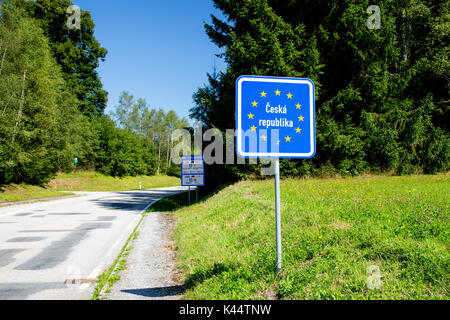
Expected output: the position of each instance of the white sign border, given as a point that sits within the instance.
(239, 150)
(191, 158)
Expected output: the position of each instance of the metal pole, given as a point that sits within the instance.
(278, 213)
(196, 194)
(189, 195)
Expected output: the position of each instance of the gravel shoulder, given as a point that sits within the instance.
(150, 272)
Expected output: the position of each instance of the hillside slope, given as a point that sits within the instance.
(334, 231)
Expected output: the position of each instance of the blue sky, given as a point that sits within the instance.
(157, 50)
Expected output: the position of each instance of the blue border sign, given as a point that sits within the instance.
(275, 117)
(195, 174)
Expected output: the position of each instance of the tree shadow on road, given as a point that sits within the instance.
(181, 200)
(193, 280)
(159, 292)
(135, 200)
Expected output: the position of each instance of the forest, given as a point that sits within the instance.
(382, 94)
(52, 103)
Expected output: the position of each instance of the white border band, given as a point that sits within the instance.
(239, 117)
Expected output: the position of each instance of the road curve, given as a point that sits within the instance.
(42, 245)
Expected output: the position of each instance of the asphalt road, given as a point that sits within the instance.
(42, 245)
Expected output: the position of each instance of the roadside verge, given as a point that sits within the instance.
(154, 232)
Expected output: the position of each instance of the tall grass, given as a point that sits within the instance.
(332, 230)
(21, 192)
(93, 181)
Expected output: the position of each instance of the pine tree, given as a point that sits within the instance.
(39, 121)
(381, 94)
(76, 51)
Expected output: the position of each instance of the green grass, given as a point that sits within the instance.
(332, 229)
(21, 192)
(110, 276)
(93, 181)
(83, 181)
(172, 203)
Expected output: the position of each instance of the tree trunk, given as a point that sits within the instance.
(3, 59)
(6, 105)
(171, 147)
(159, 156)
(1, 68)
(168, 151)
(22, 102)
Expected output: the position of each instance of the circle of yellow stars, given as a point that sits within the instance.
(277, 93)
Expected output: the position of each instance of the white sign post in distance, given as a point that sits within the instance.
(192, 173)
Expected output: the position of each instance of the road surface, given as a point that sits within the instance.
(46, 245)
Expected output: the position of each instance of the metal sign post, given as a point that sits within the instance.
(278, 212)
(275, 118)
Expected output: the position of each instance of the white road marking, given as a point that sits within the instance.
(83, 254)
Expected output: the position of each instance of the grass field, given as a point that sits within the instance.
(334, 232)
(84, 181)
(21, 192)
(93, 181)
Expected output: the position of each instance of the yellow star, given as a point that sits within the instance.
(278, 92)
(264, 138)
(250, 116)
(253, 128)
(289, 95)
(263, 94)
(298, 130)
(301, 118)
(288, 139)
(298, 105)
(255, 104)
